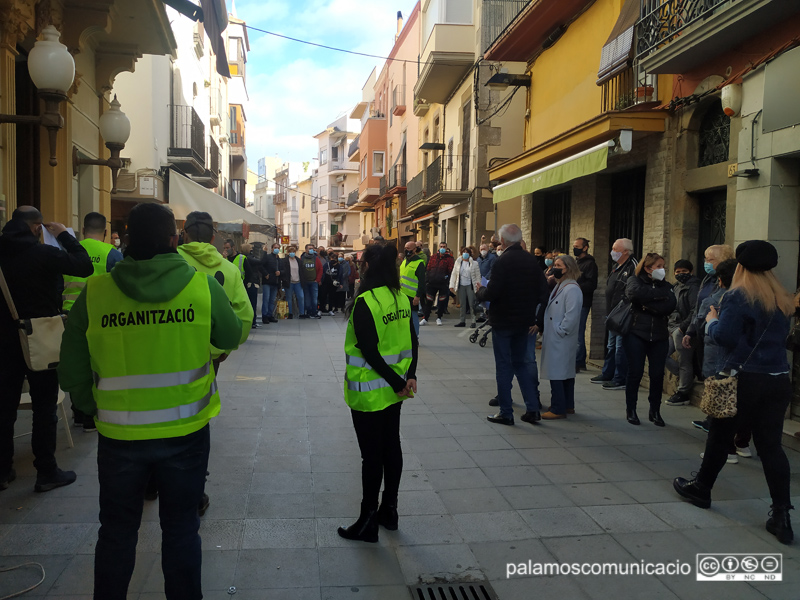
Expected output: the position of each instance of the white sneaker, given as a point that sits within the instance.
(319, 313)
(331, 313)
(744, 452)
(438, 322)
(732, 458)
(422, 322)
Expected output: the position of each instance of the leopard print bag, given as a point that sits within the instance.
(719, 396)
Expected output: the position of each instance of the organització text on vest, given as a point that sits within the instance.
(401, 313)
(143, 317)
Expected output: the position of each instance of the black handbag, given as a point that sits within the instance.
(620, 319)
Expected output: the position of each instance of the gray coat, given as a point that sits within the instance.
(561, 328)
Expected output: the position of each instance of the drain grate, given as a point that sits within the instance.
(480, 590)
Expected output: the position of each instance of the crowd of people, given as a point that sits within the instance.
(147, 333)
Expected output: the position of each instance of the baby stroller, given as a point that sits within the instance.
(483, 332)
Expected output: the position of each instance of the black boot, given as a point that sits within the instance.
(779, 524)
(387, 515)
(655, 417)
(365, 529)
(694, 491)
(633, 418)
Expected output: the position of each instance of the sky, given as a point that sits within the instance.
(296, 90)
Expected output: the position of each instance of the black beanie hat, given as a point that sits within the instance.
(757, 255)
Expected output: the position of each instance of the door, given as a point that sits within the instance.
(557, 220)
(627, 209)
(713, 221)
(465, 148)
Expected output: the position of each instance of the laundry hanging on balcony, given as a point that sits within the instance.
(618, 50)
(589, 161)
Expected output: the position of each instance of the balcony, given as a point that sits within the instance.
(447, 180)
(280, 196)
(674, 36)
(338, 241)
(416, 190)
(342, 166)
(337, 205)
(210, 178)
(496, 16)
(314, 208)
(352, 198)
(627, 89)
(187, 147)
(394, 182)
(399, 100)
(217, 107)
(448, 55)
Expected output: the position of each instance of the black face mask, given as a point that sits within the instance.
(410, 253)
(578, 251)
(683, 277)
(558, 273)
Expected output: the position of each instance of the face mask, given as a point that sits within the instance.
(709, 268)
(499, 251)
(311, 252)
(291, 254)
(659, 274)
(276, 250)
(117, 242)
(577, 251)
(465, 255)
(548, 262)
(410, 253)
(341, 259)
(683, 277)
(484, 252)
(558, 273)
(615, 256)
(442, 250)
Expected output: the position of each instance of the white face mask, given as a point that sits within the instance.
(615, 256)
(116, 242)
(499, 251)
(484, 252)
(659, 274)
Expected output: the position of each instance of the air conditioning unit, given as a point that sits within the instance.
(341, 178)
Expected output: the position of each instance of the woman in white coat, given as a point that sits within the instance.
(560, 337)
(465, 280)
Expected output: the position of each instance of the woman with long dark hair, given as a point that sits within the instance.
(381, 350)
(751, 328)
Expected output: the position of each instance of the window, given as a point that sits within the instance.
(334, 229)
(377, 163)
(363, 169)
(715, 136)
(557, 219)
(322, 228)
(335, 153)
(303, 202)
(294, 202)
(323, 192)
(303, 229)
(233, 117)
(323, 156)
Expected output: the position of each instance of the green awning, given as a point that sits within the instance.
(584, 163)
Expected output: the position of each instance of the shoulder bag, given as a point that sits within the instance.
(620, 319)
(40, 337)
(720, 391)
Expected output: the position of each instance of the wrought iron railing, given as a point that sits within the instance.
(188, 134)
(496, 16)
(448, 173)
(663, 20)
(398, 99)
(415, 190)
(383, 184)
(627, 89)
(397, 177)
(352, 197)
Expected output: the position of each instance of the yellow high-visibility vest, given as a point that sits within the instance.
(98, 253)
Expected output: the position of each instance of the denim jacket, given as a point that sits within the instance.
(738, 330)
(713, 354)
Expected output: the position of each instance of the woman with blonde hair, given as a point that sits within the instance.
(652, 302)
(562, 320)
(752, 325)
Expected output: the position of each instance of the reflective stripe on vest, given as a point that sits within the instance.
(153, 378)
(358, 361)
(98, 254)
(141, 382)
(409, 283)
(364, 389)
(153, 417)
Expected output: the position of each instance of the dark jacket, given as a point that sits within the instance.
(738, 329)
(252, 275)
(485, 263)
(616, 282)
(270, 264)
(419, 273)
(652, 302)
(286, 272)
(588, 279)
(686, 296)
(709, 286)
(34, 273)
(439, 268)
(517, 291)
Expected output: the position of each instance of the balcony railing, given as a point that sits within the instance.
(384, 181)
(448, 173)
(628, 89)
(338, 240)
(399, 100)
(415, 190)
(313, 206)
(496, 15)
(213, 156)
(188, 136)
(664, 20)
(397, 177)
(352, 197)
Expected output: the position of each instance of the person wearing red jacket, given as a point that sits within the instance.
(437, 279)
(312, 275)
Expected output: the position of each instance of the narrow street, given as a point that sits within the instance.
(285, 472)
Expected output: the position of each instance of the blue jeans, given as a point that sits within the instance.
(562, 395)
(615, 366)
(514, 354)
(297, 290)
(178, 466)
(269, 293)
(311, 291)
(580, 359)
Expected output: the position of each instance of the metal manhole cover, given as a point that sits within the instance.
(454, 591)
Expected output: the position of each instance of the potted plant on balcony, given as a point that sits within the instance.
(644, 93)
(389, 223)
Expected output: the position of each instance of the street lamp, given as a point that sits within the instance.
(52, 70)
(115, 129)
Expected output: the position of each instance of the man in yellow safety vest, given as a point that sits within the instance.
(412, 280)
(136, 355)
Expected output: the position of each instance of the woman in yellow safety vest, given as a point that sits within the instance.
(381, 351)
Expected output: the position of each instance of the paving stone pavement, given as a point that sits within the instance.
(285, 472)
